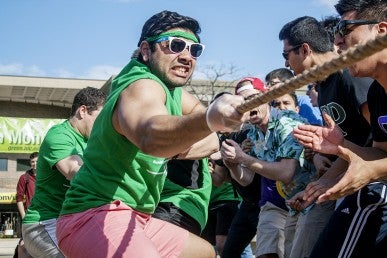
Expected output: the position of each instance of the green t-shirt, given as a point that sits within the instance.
(114, 168)
(192, 201)
(225, 192)
(61, 141)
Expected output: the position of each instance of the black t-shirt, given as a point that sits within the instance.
(341, 96)
(377, 103)
(186, 173)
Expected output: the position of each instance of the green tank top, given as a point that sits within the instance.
(225, 192)
(114, 168)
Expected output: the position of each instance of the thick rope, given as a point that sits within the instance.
(317, 73)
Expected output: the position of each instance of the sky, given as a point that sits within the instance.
(94, 39)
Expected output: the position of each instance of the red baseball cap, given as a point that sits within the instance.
(256, 83)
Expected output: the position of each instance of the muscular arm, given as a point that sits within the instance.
(69, 166)
(205, 147)
(141, 116)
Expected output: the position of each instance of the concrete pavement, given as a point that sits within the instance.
(7, 247)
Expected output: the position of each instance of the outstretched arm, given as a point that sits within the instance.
(282, 170)
(144, 120)
(327, 180)
(366, 164)
(320, 139)
(359, 173)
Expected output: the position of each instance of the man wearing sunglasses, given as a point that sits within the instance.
(340, 95)
(178, 45)
(358, 226)
(148, 119)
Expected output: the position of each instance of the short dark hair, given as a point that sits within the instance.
(167, 20)
(329, 23)
(92, 98)
(164, 21)
(34, 155)
(293, 95)
(308, 30)
(365, 9)
(281, 73)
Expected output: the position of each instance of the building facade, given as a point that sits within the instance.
(25, 103)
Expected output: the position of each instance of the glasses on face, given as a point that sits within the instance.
(285, 54)
(177, 45)
(342, 29)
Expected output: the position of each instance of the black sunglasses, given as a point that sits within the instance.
(342, 29)
(285, 54)
(177, 45)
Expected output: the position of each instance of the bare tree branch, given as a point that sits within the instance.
(219, 78)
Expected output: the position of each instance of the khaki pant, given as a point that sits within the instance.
(309, 227)
(270, 230)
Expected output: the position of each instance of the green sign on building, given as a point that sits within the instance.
(23, 135)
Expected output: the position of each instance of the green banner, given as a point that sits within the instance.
(23, 135)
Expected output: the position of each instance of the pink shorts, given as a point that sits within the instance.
(116, 230)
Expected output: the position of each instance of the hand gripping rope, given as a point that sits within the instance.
(317, 73)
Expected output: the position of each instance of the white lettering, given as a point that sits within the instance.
(19, 137)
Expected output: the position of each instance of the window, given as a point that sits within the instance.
(22, 164)
(3, 164)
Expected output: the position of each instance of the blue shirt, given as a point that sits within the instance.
(308, 111)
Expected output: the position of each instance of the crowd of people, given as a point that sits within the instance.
(149, 171)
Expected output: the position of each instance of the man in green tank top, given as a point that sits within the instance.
(147, 119)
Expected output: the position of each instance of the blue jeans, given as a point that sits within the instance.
(247, 253)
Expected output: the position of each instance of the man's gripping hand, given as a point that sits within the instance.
(222, 115)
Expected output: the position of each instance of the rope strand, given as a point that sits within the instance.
(317, 72)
